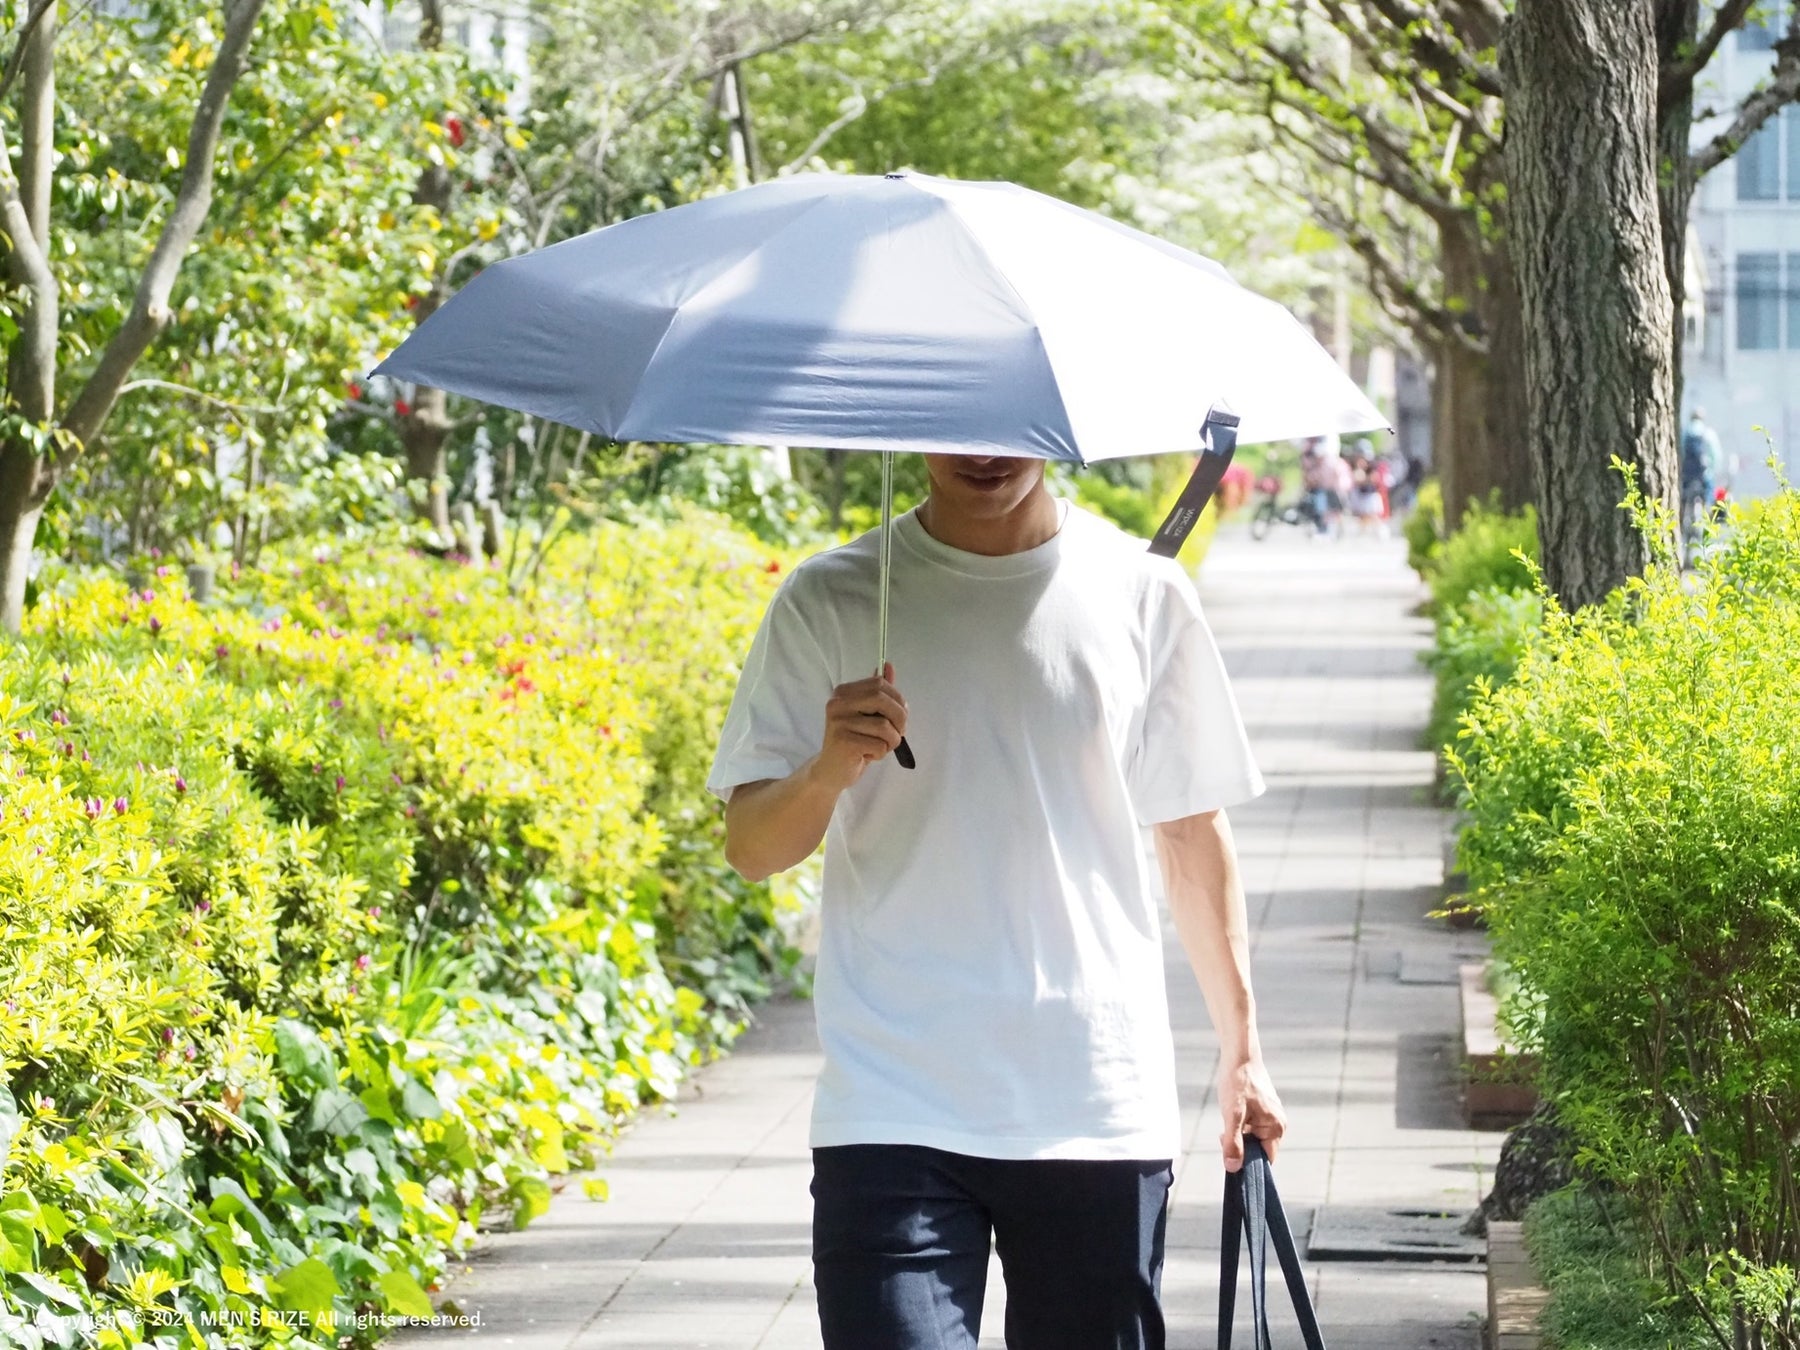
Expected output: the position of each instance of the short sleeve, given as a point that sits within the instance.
(1193, 754)
(777, 714)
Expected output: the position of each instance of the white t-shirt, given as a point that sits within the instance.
(990, 971)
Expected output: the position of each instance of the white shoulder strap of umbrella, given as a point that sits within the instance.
(1218, 437)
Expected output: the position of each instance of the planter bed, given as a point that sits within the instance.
(1497, 1087)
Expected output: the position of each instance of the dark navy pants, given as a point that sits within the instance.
(900, 1249)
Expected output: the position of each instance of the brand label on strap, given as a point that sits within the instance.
(1220, 436)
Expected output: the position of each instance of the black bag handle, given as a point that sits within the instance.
(1253, 1210)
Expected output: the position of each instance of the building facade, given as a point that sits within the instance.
(1741, 361)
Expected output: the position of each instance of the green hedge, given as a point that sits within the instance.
(1484, 602)
(338, 915)
(1476, 646)
(1634, 835)
(1482, 554)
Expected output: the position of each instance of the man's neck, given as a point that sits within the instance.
(1034, 521)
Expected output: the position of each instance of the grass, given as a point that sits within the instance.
(1602, 1296)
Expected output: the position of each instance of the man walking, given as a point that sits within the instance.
(989, 991)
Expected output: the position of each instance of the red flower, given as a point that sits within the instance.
(402, 408)
(353, 389)
(771, 567)
(453, 125)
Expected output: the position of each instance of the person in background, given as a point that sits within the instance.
(1700, 459)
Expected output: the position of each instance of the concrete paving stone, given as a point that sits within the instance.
(693, 1329)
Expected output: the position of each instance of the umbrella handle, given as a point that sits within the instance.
(903, 752)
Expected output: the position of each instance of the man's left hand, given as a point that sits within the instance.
(1248, 1104)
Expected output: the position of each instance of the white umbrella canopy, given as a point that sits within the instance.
(902, 312)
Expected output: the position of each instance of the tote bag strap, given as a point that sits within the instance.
(1253, 1212)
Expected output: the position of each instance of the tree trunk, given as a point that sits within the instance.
(1464, 469)
(1677, 26)
(1509, 474)
(425, 426)
(424, 429)
(26, 472)
(1581, 78)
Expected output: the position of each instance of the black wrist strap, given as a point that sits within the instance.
(1219, 434)
(1253, 1211)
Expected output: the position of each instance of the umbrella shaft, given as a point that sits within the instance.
(887, 545)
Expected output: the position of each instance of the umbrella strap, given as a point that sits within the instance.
(1219, 437)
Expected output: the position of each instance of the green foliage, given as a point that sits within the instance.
(1602, 1294)
(1482, 552)
(302, 274)
(1476, 647)
(1044, 95)
(738, 481)
(1634, 832)
(1126, 501)
(338, 915)
(1424, 528)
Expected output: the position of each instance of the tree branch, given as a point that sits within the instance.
(1758, 107)
(150, 305)
(33, 358)
(15, 62)
(1417, 26)
(242, 409)
(1677, 79)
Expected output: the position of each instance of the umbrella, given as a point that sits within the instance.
(899, 312)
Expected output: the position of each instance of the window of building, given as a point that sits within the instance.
(1759, 164)
(1790, 117)
(1758, 301)
(1763, 27)
(1792, 295)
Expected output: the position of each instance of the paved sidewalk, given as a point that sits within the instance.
(705, 1239)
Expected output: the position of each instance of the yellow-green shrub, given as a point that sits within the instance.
(411, 893)
(1634, 828)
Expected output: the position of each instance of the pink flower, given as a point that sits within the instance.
(168, 1035)
(187, 1052)
(340, 782)
(120, 806)
(155, 625)
(203, 907)
(93, 806)
(180, 783)
(59, 718)
(374, 911)
(362, 961)
(221, 651)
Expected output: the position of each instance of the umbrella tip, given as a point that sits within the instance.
(895, 174)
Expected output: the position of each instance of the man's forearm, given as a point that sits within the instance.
(775, 823)
(1206, 901)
